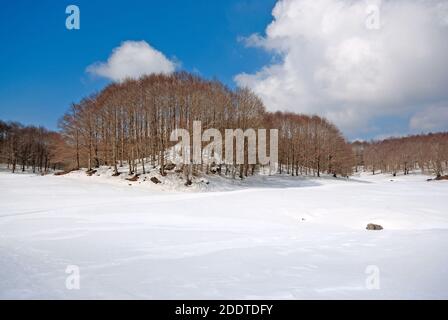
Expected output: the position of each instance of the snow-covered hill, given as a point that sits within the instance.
(265, 237)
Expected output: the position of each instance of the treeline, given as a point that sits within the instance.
(130, 123)
(428, 153)
(28, 147)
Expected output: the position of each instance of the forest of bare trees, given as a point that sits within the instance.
(28, 147)
(428, 153)
(130, 123)
(310, 145)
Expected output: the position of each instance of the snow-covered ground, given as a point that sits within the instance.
(267, 237)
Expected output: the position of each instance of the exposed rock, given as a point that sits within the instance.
(372, 226)
(90, 172)
(155, 180)
(169, 166)
(133, 179)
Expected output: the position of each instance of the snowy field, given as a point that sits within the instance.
(269, 238)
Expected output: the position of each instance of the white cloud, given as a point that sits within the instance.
(132, 59)
(333, 65)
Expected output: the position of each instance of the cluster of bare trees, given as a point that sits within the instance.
(131, 122)
(310, 145)
(23, 147)
(428, 153)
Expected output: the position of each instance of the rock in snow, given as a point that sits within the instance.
(155, 180)
(372, 226)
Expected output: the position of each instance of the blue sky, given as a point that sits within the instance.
(317, 57)
(43, 64)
